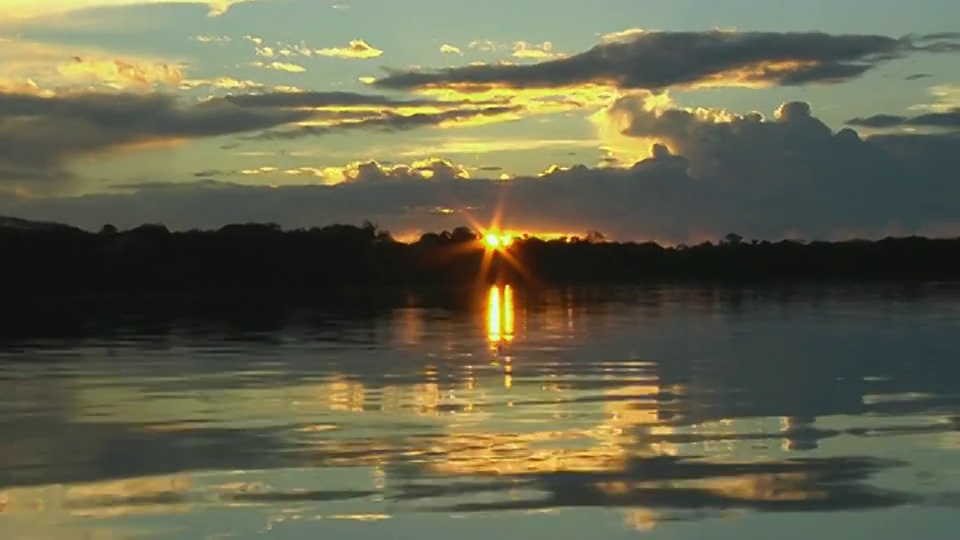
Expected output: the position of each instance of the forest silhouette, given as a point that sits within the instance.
(58, 260)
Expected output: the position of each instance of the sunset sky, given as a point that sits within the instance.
(674, 121)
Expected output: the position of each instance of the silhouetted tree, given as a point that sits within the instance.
(464, 234)
(733, 239)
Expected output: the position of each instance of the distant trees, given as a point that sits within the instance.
(260, 258)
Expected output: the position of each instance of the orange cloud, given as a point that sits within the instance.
(357, 48)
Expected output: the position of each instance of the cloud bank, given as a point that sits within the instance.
(950, 119)
(41, 135)
(635, 60)
(712, 173)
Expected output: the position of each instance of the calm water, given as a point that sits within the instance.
(662, 412)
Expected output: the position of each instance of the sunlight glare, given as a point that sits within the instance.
(500, 314)
(497, 241)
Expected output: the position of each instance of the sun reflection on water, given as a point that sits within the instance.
(500, 315)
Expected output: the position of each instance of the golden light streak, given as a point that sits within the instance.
(500, 315)
(508, 312)
(493, 315)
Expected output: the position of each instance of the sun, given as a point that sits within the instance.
(497, 241)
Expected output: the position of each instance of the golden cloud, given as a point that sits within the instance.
(366, 171)
(450, 49)
(533, 100)
(534, 51)
(356, 48)
(20, 10)
(266, 52)
(121, 74)
(225, 83)
(281, 66)
(50, 67)
(624, 35)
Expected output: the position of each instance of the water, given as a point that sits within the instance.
(670, 412)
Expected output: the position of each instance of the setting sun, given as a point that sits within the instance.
(497, 241)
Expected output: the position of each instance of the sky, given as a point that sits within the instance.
(669, 121)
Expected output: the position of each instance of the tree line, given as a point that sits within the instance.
(263, 258)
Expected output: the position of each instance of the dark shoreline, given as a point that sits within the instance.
(249, 261)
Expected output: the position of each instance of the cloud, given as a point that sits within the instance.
(534, 51)
(484, 45)
(212, 39)
(390, 121)
(373, 172)
(949, 119)
(19, 10)
(660, 60)
(265, 52)
(335, 99)
(289, 67)
(946, 98)
(40, 136)
(232, 84)
(450, 49)
(357, 48)
(709, 173)
(53, 68)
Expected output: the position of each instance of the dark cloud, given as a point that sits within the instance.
(391, 121)
(917, 76)
(659, 60)
(948, 119)
(39, 136)
(333, 99)
(790, 175)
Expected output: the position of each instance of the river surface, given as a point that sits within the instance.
(660, 412)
